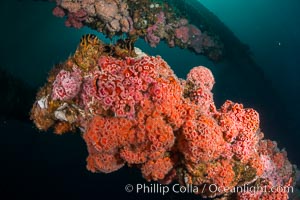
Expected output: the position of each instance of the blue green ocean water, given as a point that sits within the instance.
(45, 166)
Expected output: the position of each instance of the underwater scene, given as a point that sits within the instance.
(150, 99)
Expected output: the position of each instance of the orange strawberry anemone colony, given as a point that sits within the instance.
(133, 110)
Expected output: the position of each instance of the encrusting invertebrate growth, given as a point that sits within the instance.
(152, 20)
(131, 109)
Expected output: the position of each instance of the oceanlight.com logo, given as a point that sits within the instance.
(213, 188)
(190, 189)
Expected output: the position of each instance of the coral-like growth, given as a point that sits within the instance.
(133, 110)
(147, 19)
